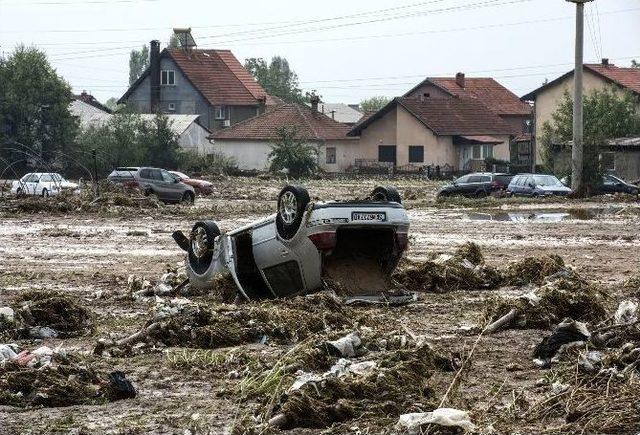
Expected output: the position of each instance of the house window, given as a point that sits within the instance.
(331, 155)
(167, 77)
(416, 154)
(477, 151)
(221, 112)
(387, 153)
(172, 107)
(487, 151)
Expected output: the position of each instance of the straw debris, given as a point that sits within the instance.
(53, 310)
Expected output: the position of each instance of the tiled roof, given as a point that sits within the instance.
(310, 125)
(626, 77)
(446, 116)
(219, 76)
(341, 112)
(495, 96)
(90, 100)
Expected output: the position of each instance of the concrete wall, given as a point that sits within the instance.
(627, 165)
(194, 139)
(186, 98)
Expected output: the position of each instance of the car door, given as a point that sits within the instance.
(32, 184)
(461, 185)
(173, 188)
(158, 185)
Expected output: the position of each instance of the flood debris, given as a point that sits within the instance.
(48, 314)
(52, 378)
(567, 332)
(413, 423)
(347, 346)
(533, 269)
(464, 270)
(564, 294)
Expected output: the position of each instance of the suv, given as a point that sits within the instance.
(476, 184)
(124, 175)
(537, 185)
(167, 187)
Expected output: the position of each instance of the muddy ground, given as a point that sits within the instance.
(90, 255)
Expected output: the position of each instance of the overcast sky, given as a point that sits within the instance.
(346, 50)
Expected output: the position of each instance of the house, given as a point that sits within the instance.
(494, 96)
(344, 113)
(547, 97)
(249, 142)
(192, 136)
(192, 81)
(451, 132)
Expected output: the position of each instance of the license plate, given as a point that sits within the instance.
(368, 216)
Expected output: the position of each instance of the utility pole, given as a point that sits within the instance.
(577, 160)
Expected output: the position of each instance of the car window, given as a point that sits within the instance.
(167, 177)
(285, 278)
(479, 179)
(155, 174)
(145, 173)
(46, 178)
(504, 179)
(464, 179)
(56, 177)
(30, 178)
(546, 180)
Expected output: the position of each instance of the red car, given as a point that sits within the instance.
(201, 187)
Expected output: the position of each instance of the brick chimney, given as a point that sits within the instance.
(605, 61)
(460, 79)
(154, 76)
(315, 100)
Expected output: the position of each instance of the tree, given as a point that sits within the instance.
(635, 63)
(608, 113)
(112, 104)
(277, 78)
(138, 62)
(160, 142)
(374, 104)
(291, 153)
(34, 109)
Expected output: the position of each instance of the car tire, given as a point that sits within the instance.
(200, 254)
(19, 192)
(480, 193)
(45, 193)
(188, 198)
(386, 193)
(292, 202)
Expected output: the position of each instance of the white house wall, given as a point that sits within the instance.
(194, 139)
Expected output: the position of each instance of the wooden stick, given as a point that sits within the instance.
(138, 335)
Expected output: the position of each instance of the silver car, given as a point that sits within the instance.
(167, 187)
(356, 243)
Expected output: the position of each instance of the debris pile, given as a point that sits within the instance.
(565, 294)
(464, 270)
(52, 378)
(46, 314)
(533, 270)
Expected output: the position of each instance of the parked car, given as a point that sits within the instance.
(290, 252)
(201, 187)
(124, 175)
(167, 187)
(476, 184)
(537, 185)
(610, 184)
(42, 184)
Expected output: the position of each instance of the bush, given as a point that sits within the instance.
(291, 153)
(190, 161)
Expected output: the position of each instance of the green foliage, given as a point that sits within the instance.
(635, 63)
(374, 104)
(608, 113)
(112, 104)
(277, 78)
(34, 111)
(138, 62)
(215, 163)
(291, 152)
(128, 140)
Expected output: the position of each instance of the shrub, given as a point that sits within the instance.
(291, 153)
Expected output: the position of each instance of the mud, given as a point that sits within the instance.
(183, 387)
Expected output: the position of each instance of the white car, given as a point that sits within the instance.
(42, 184)
(358, 243)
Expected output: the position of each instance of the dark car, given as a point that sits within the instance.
(537, 185)
(167, 187)
(610, 184)
(613, 184)
(476, 184)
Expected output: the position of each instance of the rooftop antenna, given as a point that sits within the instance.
(187, 43)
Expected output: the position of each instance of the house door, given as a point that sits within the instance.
(387, 153)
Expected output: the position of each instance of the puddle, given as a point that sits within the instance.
(544, 215)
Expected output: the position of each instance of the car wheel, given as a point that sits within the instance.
(386, 193)
(188, 198)
(45, 193)
(292, 202)
(19, 191)
(203, 236)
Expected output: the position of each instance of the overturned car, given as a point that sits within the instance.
(356, 244)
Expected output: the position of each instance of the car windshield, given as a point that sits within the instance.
(546, 181)
(612, 179)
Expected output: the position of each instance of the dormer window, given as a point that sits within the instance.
(167, 77)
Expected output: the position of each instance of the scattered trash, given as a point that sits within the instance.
(626, 312)
(348, 346)
(568, 331)
(440, 416)
(42, 332)
(6, 314)
(119, 387)
(7, 352)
